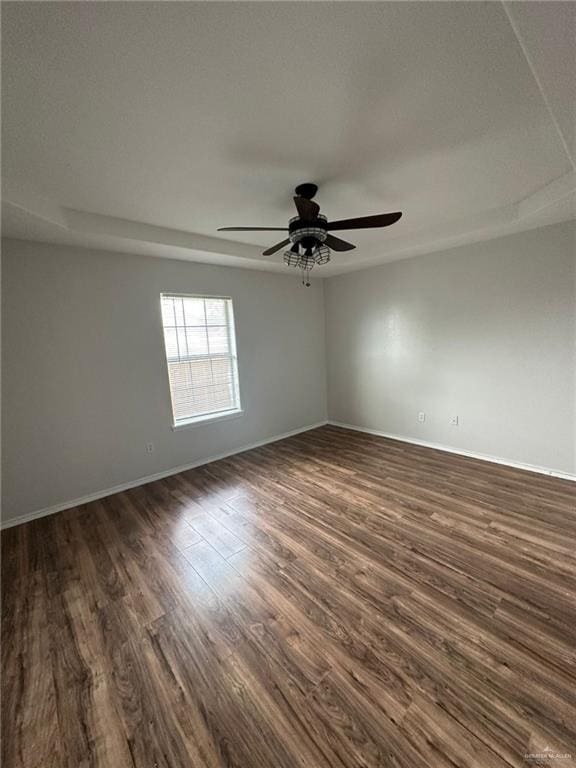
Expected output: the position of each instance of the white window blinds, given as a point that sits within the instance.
(201, 356)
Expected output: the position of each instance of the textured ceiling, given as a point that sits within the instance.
(144, 127)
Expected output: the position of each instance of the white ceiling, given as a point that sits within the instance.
(145, 126)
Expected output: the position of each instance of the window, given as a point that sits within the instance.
(201, 356)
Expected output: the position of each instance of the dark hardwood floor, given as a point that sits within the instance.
(330, 600)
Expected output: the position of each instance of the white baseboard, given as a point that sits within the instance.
(148, 479)
(175, 470)
(458, 451)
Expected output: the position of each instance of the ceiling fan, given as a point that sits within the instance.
(309, 232)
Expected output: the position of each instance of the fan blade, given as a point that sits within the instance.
(252, 229)
(275, 248)
(338, 245)
(307, 209)
(365, 222)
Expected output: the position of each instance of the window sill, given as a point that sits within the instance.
(211, 418)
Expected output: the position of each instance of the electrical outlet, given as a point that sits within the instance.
(454, 421)
(149, 447)
(421, 417)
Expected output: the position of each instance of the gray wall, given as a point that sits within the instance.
(84, 373)
(486, 332)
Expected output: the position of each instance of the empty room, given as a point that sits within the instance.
(288, 384)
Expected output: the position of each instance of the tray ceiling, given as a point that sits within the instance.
(143, 127)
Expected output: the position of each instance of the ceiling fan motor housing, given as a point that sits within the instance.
(308, 233)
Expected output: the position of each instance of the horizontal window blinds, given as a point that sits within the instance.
(201, 355)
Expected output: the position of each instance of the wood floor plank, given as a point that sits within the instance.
(30, 726)
(332, 600)
(223, 540)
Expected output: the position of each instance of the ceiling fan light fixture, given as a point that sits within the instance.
(307, 261)
(291, 257)
(322, 254)
(309, 258)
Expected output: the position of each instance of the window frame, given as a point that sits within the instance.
(213, 416)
